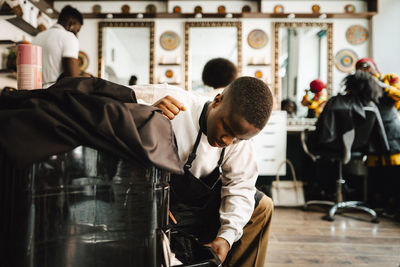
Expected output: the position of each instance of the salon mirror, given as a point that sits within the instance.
(303, 53)
(126, 49)
(208, 40)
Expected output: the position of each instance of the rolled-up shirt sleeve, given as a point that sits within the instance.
(239, 175)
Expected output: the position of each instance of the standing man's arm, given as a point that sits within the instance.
(70, 67)
(69, 60)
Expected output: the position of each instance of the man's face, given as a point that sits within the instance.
(73, 26)
(225, 126)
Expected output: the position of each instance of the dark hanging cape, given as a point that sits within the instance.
(84, 111)
(338, 117)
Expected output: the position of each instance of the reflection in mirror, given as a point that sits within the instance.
(208, 40)
(126, 49)
(303, 53)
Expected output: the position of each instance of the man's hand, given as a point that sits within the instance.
(220, 246)
(169, 106)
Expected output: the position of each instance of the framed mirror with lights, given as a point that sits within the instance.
(302, 53)
(208, 40)
(126, 49)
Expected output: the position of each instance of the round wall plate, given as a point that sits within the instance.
(345, 60)
(198, 9)
(177, 9)
(221, 10)
(125, 9)
(315, 9)
(349, 8)
(246, 8)
(169, 40)
(83, 61)
(169, 73)
(257, 39)
(151, 9)
(258, 74)
(357, 34)
(278, 9)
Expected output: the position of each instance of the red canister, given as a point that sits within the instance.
(29, 66)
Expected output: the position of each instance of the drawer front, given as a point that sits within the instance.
(270, 145)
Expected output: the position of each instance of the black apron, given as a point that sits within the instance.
(195, 202)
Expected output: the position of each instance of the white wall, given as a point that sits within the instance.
(386, 36)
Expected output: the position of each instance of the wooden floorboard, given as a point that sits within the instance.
(301, 238)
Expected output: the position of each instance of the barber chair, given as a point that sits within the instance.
(83, 208)
(364, 137)
(87, 208)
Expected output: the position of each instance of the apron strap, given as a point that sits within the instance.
(192, 155)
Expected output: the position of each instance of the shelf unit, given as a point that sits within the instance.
(19, 22)
(259, 64)
(46, 8)
(367, 15)
(372, 9)
(169, 64)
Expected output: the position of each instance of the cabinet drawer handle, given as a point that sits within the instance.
(269, 133)
(269, 146)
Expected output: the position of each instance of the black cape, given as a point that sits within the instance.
(84, 111)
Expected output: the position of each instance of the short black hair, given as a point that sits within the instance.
(288, 101)
(69, 12)
(363, 85)
(133, 80)
(252, 99)
(219, 72)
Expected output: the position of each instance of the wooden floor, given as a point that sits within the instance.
(301, 238)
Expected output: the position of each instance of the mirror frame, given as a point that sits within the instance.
(329, 32)
(189, 25)
(127, 24)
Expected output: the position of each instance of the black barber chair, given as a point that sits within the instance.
(86, 208)
(365, 137)
(83, 208)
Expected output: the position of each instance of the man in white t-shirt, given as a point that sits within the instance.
(60, 46)
(218, 188)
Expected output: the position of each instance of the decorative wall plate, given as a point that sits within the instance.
(198, 9)
(221, 9)
(246, 8)
(177, 9)
(258, 74)
(345, 60)
(257, 39)
(151, 9)
(96, 9)
(169, 40)
(169, 73)
(315, 9)
(278, 9)
(357, 34)
(83, 61)
(125, 9)
(349, 8)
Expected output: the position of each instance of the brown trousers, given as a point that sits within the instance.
(251, 249)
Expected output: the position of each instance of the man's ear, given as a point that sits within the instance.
(217, 100)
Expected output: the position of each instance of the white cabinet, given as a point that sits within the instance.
(270, 145)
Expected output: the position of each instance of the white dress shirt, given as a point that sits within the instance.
(239, 167)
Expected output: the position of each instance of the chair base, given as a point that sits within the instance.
(358, 205)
